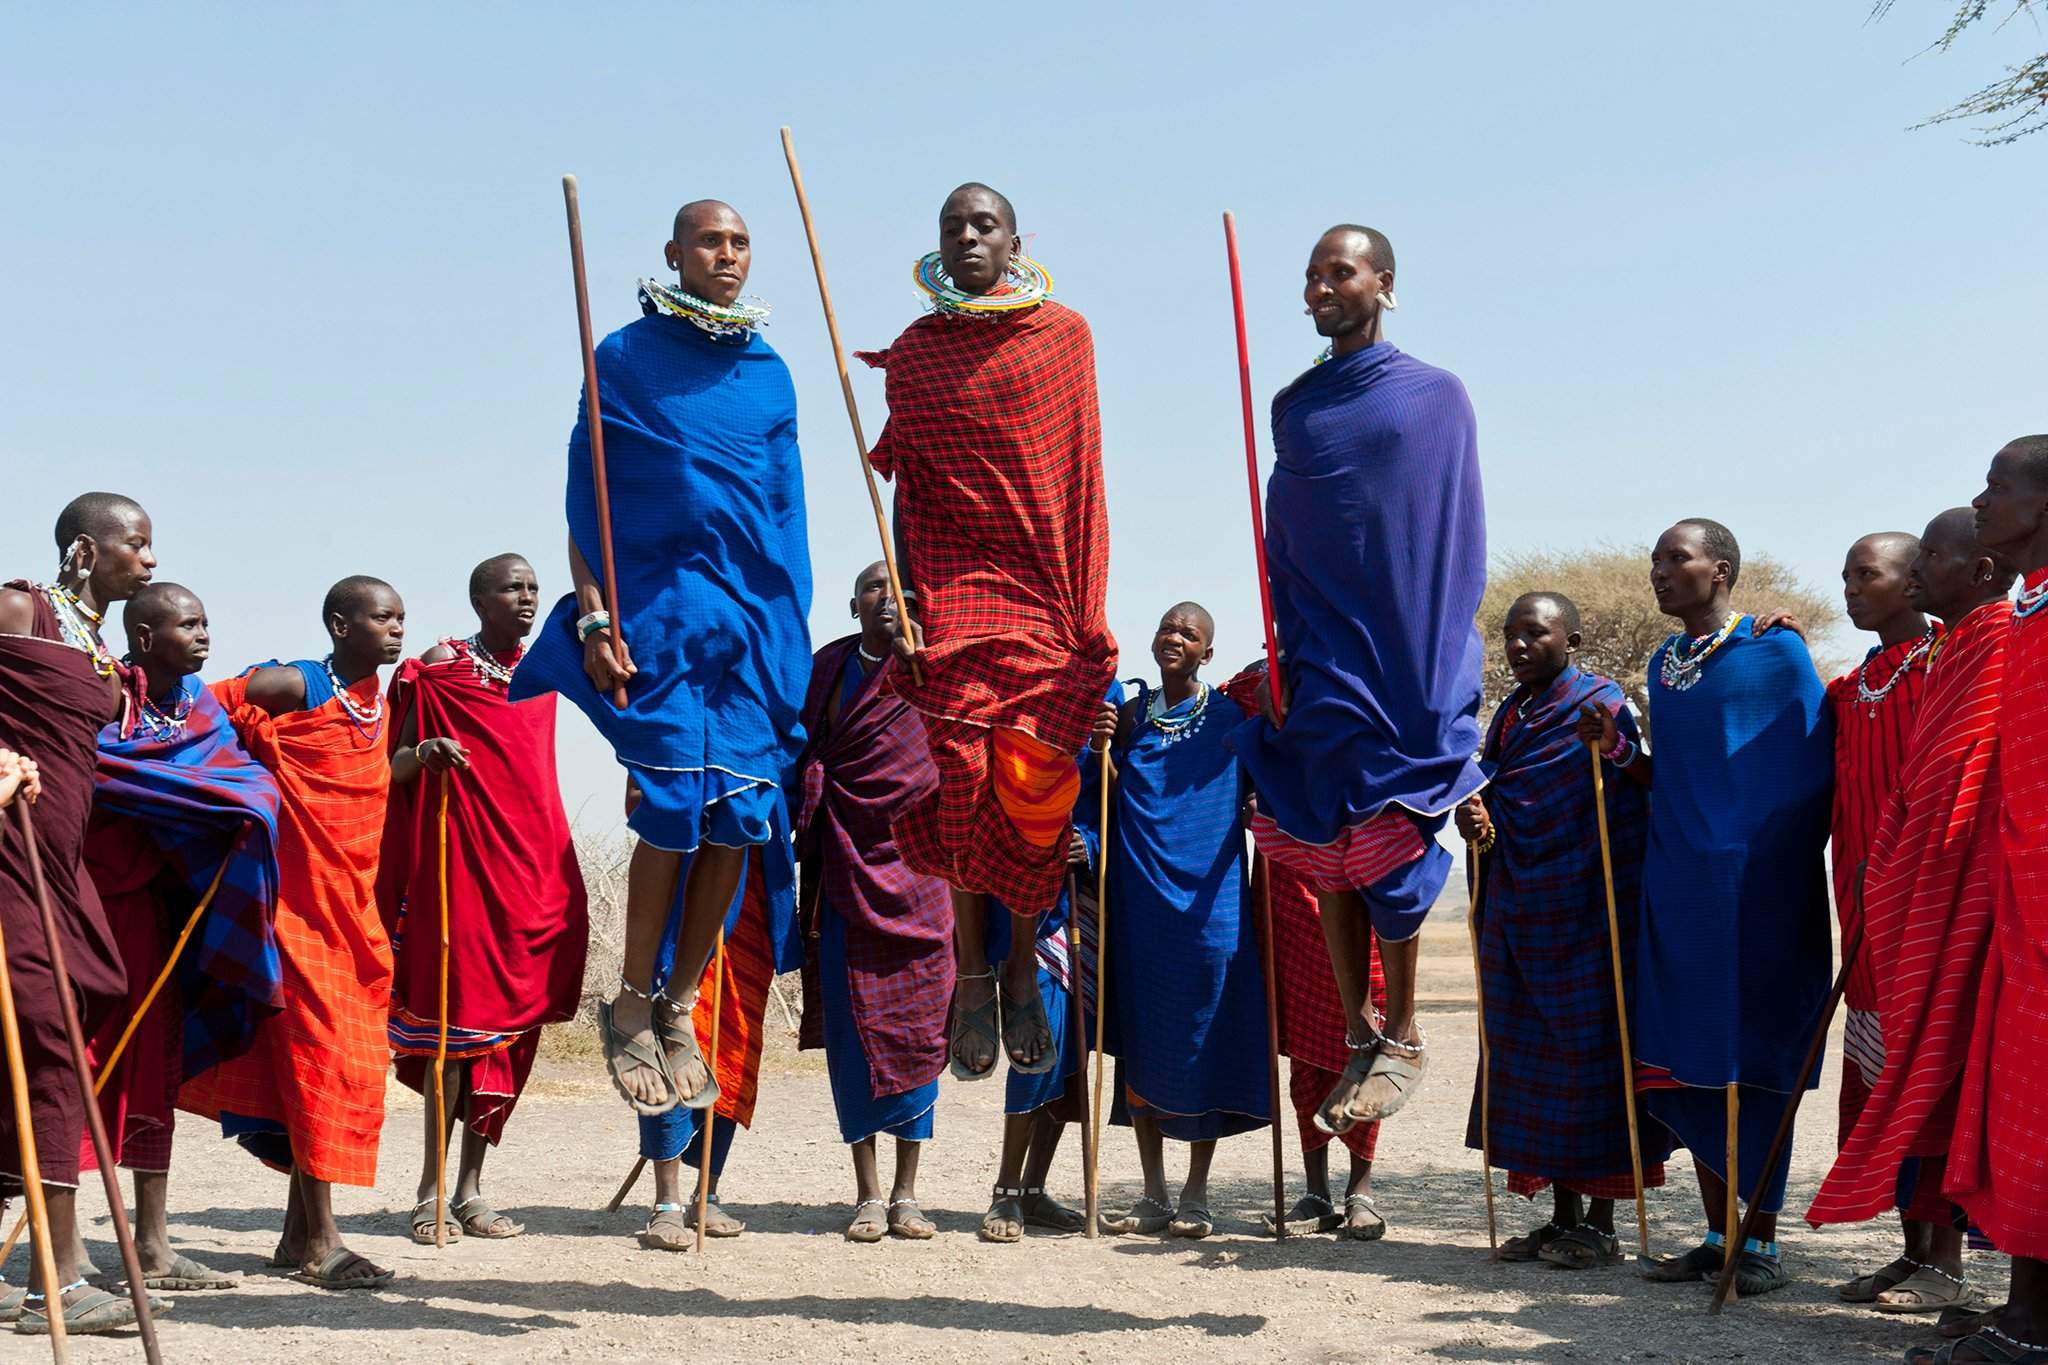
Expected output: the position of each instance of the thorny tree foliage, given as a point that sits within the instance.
(2016, 105)
(1611, 587)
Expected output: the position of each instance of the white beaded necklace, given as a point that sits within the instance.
(1685, 658)
(487, 666)
(363, 717)
(1871, 697)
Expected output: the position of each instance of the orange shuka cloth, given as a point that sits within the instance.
(1998, 1156)
(742, 1004)
(318, 1068)
(1927, 905)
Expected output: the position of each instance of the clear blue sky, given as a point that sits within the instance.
(296, 277)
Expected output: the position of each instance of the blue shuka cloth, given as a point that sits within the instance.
(905, 1116)
(1187, 991)
(1376, 549)
(714, 576)
(1733, 963)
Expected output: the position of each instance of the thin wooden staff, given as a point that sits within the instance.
(38, 1215)
(1269, 959)
(1732, 1214)
(1628, 1061)
(1080, 1030)
(134, 1022)
(441, 1045)
(1473, 885)
(626, 1186)
(1101, 993)
(860, 440)
(594, 421)
(709, 1131)
(1853, 946)
(81, 1072)
(1251, 467)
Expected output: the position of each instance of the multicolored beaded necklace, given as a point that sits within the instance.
(2031, 600)
(722, 322)
(79, 625)
(1026, 284)
(161, 724)
(1685, 657)
(363, 718)
(1870, 696)
(1174, 729)
(488, 668)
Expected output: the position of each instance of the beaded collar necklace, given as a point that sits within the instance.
(488, 668)
(1026, 284)
(363, 717)
(865, 657)
(1177, 728)
(721, 322)
(1869, 696)
(1685, 657)
(161, 724)
(2031, 600)
(79, 625)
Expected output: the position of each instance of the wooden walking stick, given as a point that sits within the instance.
(1263, 875)
(81, 1072)
(134, 1022)
(1473, 886)
(441, 1046)
(1725, 1286)
(626, 1186)
(1101, 994)
(1732, 1214)
(38, 1215)
(1628, 1061)
(1080, 1027)
(709, 1131)
(1251, 467)
(860, 440)
(594, 420)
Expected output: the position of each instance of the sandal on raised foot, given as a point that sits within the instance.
(1866, 1288)
(1990, 1344)
(984, 1021)
(1141, 1224)
(422, 1227)
(1927, 1290)
(94, 1313)
(1334, 1115)
(1192, 1222)
(1702, 1262)
(624, 1047)
(1364, 1232)
(1041, 1210)
(479, 1219)
(912, 1227)
(666, 1229)
(342, 1269)
(864, 1229)
(1311, 1213)
(675, 1027)
(1583, 1248)
(1022, 1020)
(1393, 1079)
(1006, 1205)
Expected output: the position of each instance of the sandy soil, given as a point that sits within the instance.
(577, 1287)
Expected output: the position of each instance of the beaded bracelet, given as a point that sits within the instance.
(1622, 754)
(587, 626)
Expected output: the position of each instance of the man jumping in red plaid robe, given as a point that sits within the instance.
(996, 449)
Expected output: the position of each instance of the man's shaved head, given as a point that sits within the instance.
(352, 594)
(1377, 248)
(96, 516)
(1566, 609)
(484, 574)
(155, 603)
(681, 228)
(2030, 457)
(1200, 615)
(1897, 546)
(878, 569)
(1003, 204)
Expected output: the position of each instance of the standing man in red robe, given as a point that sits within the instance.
(1998, 1158)
(1927, 905)
(995, 445)
(518, 925)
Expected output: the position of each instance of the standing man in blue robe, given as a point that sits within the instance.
(715, 575)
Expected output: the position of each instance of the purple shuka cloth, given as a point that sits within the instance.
(855, 774)
(1376, 545)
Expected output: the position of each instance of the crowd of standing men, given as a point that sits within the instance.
(254, 881)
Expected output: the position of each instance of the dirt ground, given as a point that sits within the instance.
(577, 1287)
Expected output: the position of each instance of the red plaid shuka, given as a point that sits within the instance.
(1928, 913)
(1998, 1158)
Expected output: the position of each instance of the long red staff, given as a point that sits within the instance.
(81, 1072)
(595, 422)
(860, 440)
(1274, 690)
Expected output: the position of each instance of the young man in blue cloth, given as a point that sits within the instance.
(1733, 962)
(709, 640)
(1186, 990)
(1376, 547)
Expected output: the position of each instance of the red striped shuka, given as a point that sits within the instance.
(1871, 739)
